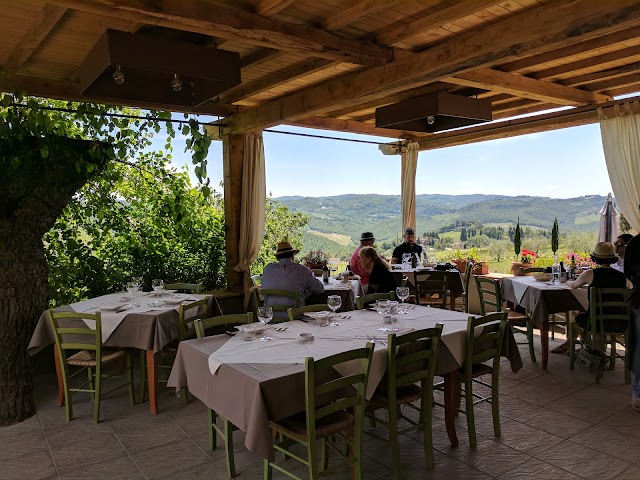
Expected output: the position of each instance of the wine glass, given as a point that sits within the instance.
(265, 314)
(334, 302)
(406, 260)
(403, 294)
(132, 289)
(158, 285)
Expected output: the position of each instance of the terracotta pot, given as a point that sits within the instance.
(313, 266)
(480, 268)
(460, 264)
(516, 266)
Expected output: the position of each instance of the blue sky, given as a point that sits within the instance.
(561, 164)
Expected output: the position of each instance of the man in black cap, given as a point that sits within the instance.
(366, 240)
(408, 246)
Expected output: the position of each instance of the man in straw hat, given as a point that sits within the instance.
(285, 274)
(604, 276)
(366, 240)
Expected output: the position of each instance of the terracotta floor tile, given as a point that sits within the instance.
(169, 458)
(605, 439)
(115, 469)
(535, 469)
(555, 423)
(489, 457)
(36, 465)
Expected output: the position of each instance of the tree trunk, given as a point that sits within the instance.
(33, 193)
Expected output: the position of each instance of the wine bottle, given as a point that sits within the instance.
(325, 274)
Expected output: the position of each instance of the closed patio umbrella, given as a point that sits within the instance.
(608, 230)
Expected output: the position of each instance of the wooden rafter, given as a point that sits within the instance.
(354, 13)
(431, 22)
(269, 8)
(39, 30)
(233, 23)
(259, 56)
(324, 123)
(547, 27)
(522, 86)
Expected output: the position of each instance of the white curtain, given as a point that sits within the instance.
(621, 144)
(252, 210)
(409, 163)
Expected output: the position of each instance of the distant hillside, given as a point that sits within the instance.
(352, 214)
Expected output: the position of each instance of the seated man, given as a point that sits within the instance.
(285, 274)
(366, 240)
(621, 247)
(408, 246)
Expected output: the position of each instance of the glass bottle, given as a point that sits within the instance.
(325, 274)
(555, 270)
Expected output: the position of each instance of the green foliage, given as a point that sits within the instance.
(555, 231)
(624, 225)
(135, 221)
(517, 238)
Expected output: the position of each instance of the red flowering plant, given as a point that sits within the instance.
(528, 256)
(314, 257)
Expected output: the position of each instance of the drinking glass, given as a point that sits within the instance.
(397, 323)
(158, 285)
(265, 314)
(132, 289)
(137, 281)
(555, 273)
(322, 318)
(403, 294)
(406, 260)
(247, 332)
(334, 302)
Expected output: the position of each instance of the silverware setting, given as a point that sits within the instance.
(376, 340)
(280, 329)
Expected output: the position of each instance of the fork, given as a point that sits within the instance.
(280, 329)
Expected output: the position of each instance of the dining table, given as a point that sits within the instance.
(252, 382)
(454, 279)
(148, 327)
(542, 299)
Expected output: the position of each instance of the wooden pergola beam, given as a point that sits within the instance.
(237, 24)
(547, 27)
(522, 126)
(431, 22)
(351, 126)
(39, 30)
(521, 86)
(356, 12)
(269, 8)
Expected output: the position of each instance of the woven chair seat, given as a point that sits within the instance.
(517, 317)
(477, 370)
(296, 425)
(404, 395)
(87, 358)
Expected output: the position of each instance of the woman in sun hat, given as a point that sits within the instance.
(604, 254)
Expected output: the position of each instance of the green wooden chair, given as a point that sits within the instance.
(554, 319)
(92, 357)
(295, 313)
(431, 289)
(491, 301)
(281, 307)
(329, 411)
(364, 300)
(226, 432)
(184, 287)
(411, 359)
(524, 271)
(462, 301)
(606, 305)
(480, 348)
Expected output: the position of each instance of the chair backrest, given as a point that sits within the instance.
(524, 271)
(607, 306)
(281, 307)
(327, 392)
(187, 314)
(296, 312)
(489, 294)
(362, 301)
(257, 280)
(411, 358)
(202, 325)
(485, 344)
(467, 276)
(185, 287)
(432, 283)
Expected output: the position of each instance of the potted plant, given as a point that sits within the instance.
(314, 259)
(460, 259)
(527, 259)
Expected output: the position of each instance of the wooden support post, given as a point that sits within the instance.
(233, 153)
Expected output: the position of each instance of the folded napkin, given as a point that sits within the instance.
(177, 301)
(112, 308)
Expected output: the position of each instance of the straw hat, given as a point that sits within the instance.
(604, 251)
(366, 236)
(285, 247)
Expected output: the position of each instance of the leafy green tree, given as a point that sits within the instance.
(463, 234)
(517, 239)
(625, 227)
(554, 236)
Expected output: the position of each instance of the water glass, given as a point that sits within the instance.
(322, 318)
(248, 332)
(265, 314)
(132, 290)
(555, 273)
(406, 260)
(158, 286)
(334, 302)
(397, 323)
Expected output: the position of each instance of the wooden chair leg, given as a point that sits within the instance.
(98, 386)
(495, 403)
(532, 352)
(267, 471)
(426, 420)
(132, 395)
(90, 385)
(143, 375)
(572, 347)
(228, 448)
(211, 419)
(471, 424)
(393, 440)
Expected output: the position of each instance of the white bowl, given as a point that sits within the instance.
(307, 337)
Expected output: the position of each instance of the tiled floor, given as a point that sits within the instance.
(555, 424)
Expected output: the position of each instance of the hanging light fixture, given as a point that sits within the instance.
(118, 76)
(176, 84)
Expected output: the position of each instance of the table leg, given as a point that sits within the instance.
(152, 380)
(452, 300)
(60, 399)
(450, 404)
(544, 341)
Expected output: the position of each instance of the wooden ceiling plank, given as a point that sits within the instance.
(233, 23)
(248, 89)
(522, 86)
(43, 24)
(550, 26)
(259, 56)
(602, 75)
(436, 20)
(324, 123)
(269, 8)
(354, 13)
